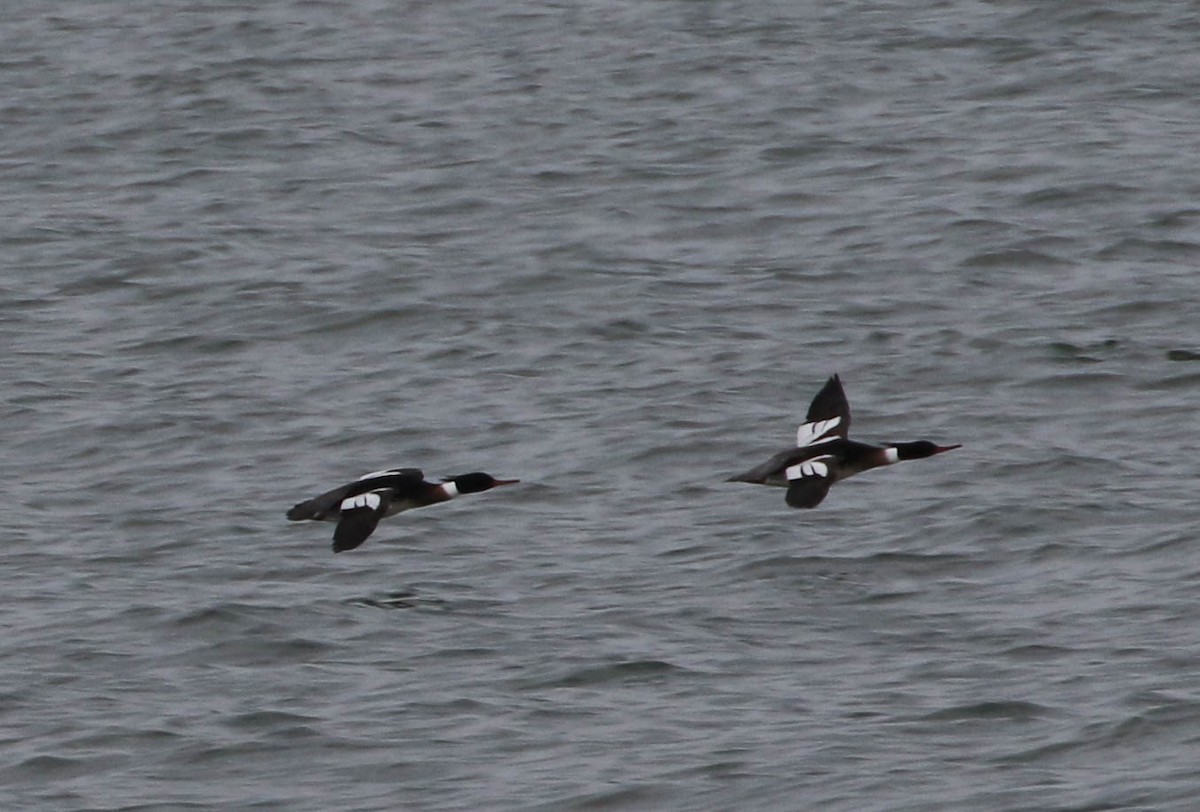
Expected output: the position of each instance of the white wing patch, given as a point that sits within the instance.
(814, 433)
(362, 500)
(815, 467)
(374, 474)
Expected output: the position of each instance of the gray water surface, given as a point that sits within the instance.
(612, 248)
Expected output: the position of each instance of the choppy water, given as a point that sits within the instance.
(612, 248)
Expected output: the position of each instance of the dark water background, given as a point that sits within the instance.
(613, 248)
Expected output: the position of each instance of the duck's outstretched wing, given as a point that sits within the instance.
(401, 483)
(406, 474)
(808, 482)
(828, 416)
(325, 506)
(360, 515)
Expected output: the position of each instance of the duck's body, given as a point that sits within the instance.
(358, 506)
(824, 455)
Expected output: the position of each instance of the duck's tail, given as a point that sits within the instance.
(304, 510)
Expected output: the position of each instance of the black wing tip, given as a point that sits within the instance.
(353, 530)
(807, 493)
(831, 402)
(343, 544)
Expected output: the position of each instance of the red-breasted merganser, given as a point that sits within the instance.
(823, 455)
(358, 506)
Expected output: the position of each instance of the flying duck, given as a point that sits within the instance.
(358, 506)
(824, 455)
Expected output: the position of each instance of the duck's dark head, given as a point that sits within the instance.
(478, 481)
(920, 449)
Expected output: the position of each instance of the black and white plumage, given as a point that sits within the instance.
(824, 454)
(358, 506)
